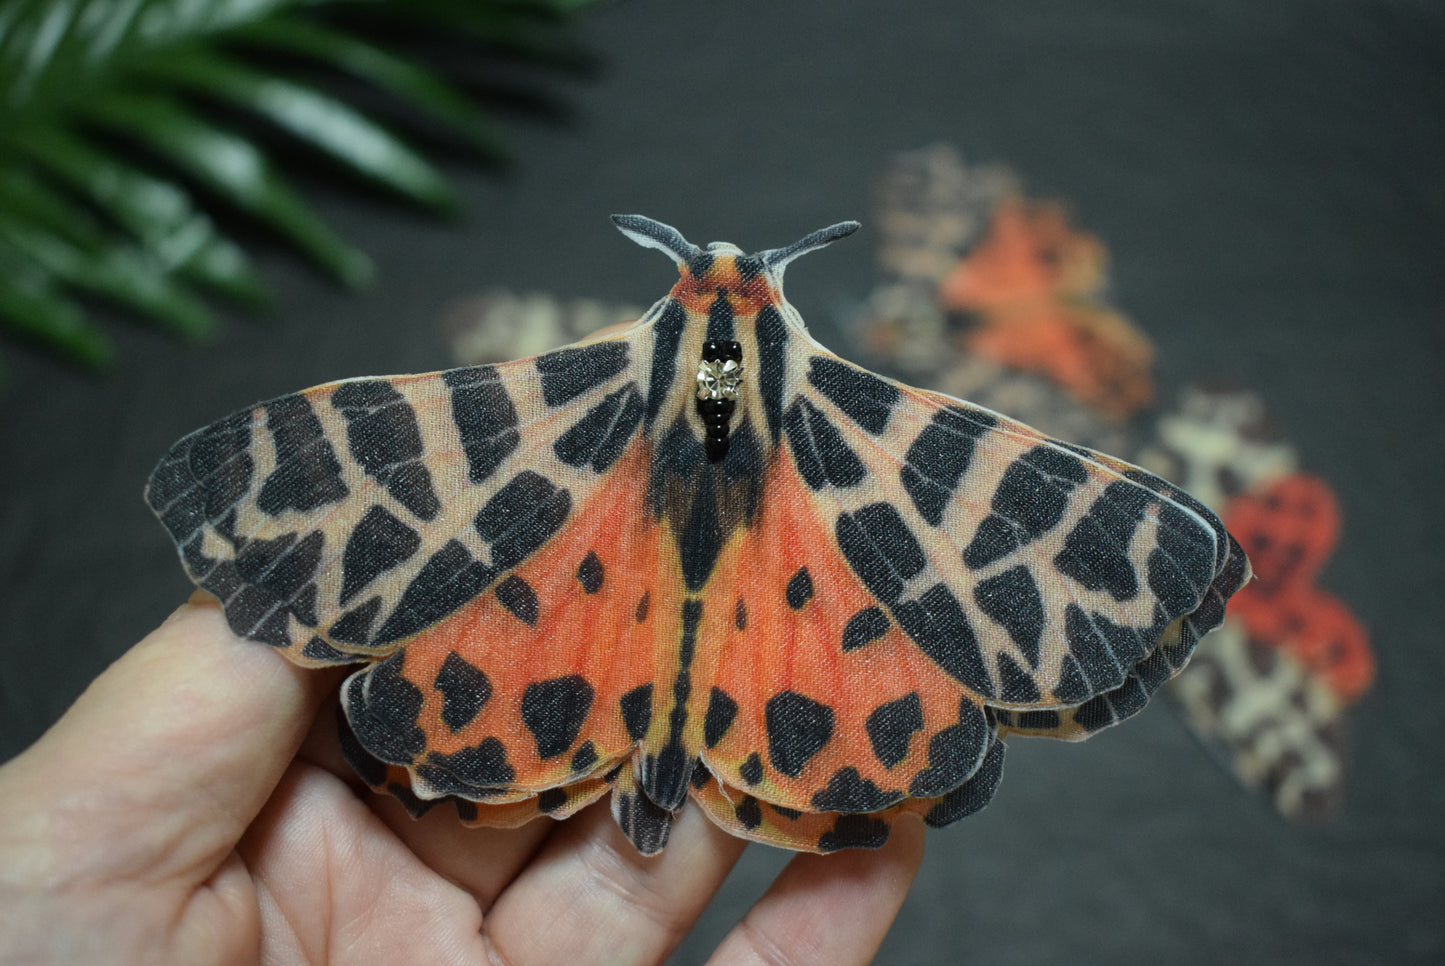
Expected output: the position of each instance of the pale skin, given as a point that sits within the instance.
(192, 808)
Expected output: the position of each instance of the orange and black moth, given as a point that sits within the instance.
(700, 558)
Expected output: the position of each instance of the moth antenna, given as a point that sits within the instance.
(778, 258)
(654, 234)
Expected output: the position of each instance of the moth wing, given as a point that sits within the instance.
(965, 575)
(745, 815)
(394, 780)
(1037, 573)
(820, 703)
(440, 528)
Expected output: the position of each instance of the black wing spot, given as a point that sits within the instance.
(282, 566)
(800, 589)
(636, 708)
(600, 436)
(740, 615)
(584, 757)
(517, 596)
(1016, 685)
(721, 710)
(317, 649)
(1012, 599)
(880, 548)
(307, 474)
(381, 706)
(465, 691)
(1046, 720)
(370, 768)
(938, 625)
(854, 832)
(938, 458)
(1096, 551)
(379, 542)
(749, 812)
(954, 753)
(270, 581)
(643, 603)
(203, 477)
(849, 791)
(354, 626)
(485, 418)
(798, 728)
(590, 572)
(568, 373)
(554, 711)
(751, 770)
(521, 516)
(1071, 688)
(251, 611)
(864, 398)
(973, 794)
(891, 726)
(477, 771)
(551, 800)
(1104, 651)
(1029, 501)
(822, 456)
(415, 807)
(385, 440)
(865, 627)
(1183, 565)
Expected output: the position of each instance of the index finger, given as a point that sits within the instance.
(832, 910)
(159, 766)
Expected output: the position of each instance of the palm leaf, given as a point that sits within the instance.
(132, 132)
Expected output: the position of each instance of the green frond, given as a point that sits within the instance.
(401, 78)
(113, 160)
(158, 214)
(64, 242)
(305, 113)
(36, 312)
(230, 165)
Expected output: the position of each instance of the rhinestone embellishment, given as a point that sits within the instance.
(718, 379)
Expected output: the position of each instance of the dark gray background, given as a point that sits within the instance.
(1270, 178)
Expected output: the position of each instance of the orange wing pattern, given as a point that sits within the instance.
(1291, 525)
(1033, 285)
(701, 558)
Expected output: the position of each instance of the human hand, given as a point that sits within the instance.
(192, 807)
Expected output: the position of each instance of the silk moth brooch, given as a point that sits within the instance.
(702, 557)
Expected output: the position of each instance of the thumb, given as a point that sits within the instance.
(156, 770)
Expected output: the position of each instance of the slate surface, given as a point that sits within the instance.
(1271, 181)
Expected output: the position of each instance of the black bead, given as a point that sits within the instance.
(716, 350)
